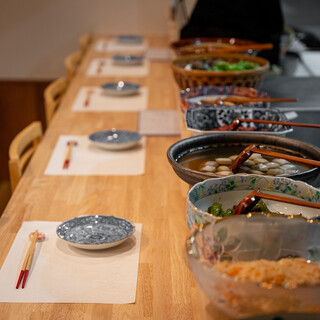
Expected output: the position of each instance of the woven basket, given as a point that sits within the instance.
(195, 78)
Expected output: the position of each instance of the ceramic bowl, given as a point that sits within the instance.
(201, 120)
(202, 45)
(229, 191)
(120, 88)
(129, 39)
(189, 70)
(192, 97)
(217, 142)
(127, 60)
(95, 232)
(115, 139)
(243, 238)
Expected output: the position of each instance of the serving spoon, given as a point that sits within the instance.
(246, 204)
(248, 151)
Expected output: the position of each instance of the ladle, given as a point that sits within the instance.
(248, 151)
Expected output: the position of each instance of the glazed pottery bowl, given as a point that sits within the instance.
(220, 144)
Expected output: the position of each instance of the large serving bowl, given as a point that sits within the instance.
(217, 144)
(204, 119)
(192, 97)
(187, 78)
(229, 191)
(204, 45)
(243, 238)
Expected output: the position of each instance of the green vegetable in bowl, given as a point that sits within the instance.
(239, 66)
(216, 209)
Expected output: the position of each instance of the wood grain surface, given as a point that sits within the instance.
(166, 287)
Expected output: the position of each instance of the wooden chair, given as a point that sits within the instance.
(71, 63)
(84, 42)
(22, 149)
(52, 97)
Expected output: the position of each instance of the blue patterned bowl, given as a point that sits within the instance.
(120, 88)
(201, 119)
(192, 97)
(129, 39)
(115, 139)
(127, 60)
(229, 191)
(95, 232)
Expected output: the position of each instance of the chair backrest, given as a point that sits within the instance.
(84, 42)
(22, 149)
(71, 63)
(52, 97)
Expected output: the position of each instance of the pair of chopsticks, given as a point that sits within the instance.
(27, 261)
(88, 96)
(246, 100)
(100, 66)
(237, 48)
(66, 162)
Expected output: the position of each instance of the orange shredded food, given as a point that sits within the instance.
(287, 272)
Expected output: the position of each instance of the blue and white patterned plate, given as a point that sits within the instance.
(127, 60)
(129, 39)
(120, 88)
(94, 232)
(115, 139)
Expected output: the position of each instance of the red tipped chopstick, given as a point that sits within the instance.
(88, 96)
(27, 262)
(66, 162)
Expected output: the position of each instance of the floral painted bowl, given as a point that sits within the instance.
(229, 191)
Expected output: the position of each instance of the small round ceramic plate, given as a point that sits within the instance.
(95, 232)
(127, 60)
(120, 88)
(129, 39)
(115, 139)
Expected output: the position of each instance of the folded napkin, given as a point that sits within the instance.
(94, 99)
(159, 54)
(106, 67)
(88, 159)
(159, 123)
(61, 273)
(113, 45)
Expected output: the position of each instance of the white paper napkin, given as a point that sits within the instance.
(113, 45)
(88, 159)
(105, 67)
(99, 101)
(61, 273)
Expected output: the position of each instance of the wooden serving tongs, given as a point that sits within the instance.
(246, 204)
(248, 151)
(236, 123)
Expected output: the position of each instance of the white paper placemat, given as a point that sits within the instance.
(312, 61)
(105, 67)
(94, 99)
(61, 273)
(113, 45)
(88, 159)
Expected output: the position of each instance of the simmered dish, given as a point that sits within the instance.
(220, 165)
(221, 65)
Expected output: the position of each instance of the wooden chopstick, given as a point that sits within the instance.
(27, 261)
(245, 99)
(88, 96)
(257, 46)
(68, 155)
